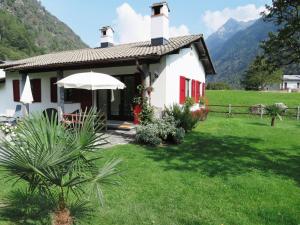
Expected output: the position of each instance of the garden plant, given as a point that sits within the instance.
(57, 162)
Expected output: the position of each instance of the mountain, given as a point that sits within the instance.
(231, 27)
(28, 29)
(233, 56)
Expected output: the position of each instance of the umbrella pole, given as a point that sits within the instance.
(94, 104)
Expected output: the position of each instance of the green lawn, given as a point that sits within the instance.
(252, 97)
(227, 171)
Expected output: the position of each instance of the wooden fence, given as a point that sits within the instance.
(291, 112)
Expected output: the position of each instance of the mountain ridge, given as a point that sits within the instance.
(231, 27)
(39, 32)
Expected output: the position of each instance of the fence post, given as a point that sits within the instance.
(298, 113)
(229, 109)
(261, 111)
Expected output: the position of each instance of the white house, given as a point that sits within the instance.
(290, 82)
(174, 67)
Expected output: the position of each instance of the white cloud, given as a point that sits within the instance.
(132, 26)
(215, 19)
(179, 31)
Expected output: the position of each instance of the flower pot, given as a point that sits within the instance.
(136, 112)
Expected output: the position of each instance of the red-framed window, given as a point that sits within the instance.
(16, 90)
(36, 90)
(53, 89)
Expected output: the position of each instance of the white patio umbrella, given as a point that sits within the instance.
(26, 97)
(91, 81)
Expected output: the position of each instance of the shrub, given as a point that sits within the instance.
(183, 115)
(56, 161)
(148, 134)
(164, 129)
(218, 86)
(146, 116)
(178, 136)
(7, 128)
(257, 109)
(200, 114)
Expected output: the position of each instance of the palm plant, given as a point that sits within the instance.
(57, 161)
(274, 111)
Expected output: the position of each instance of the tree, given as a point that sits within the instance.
(274, 111)
(283, 47)
(260, 74)
(57, 162)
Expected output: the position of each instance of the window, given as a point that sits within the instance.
(285, 85)
(298, 85)
(53, 89)
(187, 88)
(104, 33)
(16, 90)
(36, 90)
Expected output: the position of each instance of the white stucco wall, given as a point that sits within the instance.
(6, 95)
(7, 103)
(291, 84)
(186, 64)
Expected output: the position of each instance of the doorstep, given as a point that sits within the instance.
(120, 125)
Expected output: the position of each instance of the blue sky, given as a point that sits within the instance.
(131, 18)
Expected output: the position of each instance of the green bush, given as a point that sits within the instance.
(148, 134)
(166, 127)
(178, 136)
(146, 116)
(159, 130)
(183, 115)
(218, 86)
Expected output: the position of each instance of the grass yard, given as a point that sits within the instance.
(236, 97)
(227, 171)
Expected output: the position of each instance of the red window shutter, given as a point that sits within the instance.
(194, 90)
(36, 90)
(197, 91)
(16, 90)
(53, 89)
(182, 90)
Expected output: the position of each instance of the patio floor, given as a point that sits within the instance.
(119, 137)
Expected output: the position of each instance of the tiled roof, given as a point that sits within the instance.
(121, 52)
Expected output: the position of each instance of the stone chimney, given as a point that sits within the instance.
(107, 37)
(160, 23)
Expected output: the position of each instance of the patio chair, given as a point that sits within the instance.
(50, 112)
(12, 116)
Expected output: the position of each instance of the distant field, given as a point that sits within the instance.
(252, 97)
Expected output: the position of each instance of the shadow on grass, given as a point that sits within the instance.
(227, 155)
(27, 209)
(261, 123)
